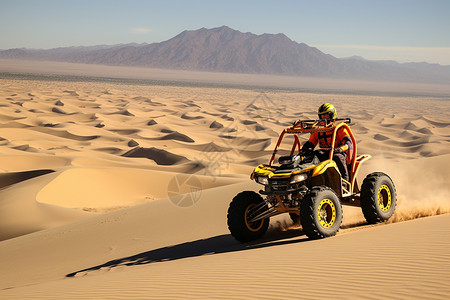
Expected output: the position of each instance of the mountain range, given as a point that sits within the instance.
(223, 49)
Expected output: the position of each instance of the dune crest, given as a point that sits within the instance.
(160, 156)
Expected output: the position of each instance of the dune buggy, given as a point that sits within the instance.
(310, 190)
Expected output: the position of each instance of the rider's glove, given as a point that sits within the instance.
(306, 152)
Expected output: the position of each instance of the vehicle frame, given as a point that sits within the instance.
(326, 172)
(311, 191)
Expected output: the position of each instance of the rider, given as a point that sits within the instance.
(343, 145)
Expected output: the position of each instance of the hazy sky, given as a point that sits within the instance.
(401, 30)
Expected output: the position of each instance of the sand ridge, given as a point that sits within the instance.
(95, 172)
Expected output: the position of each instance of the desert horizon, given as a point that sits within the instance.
(64, 71)
(120, 188)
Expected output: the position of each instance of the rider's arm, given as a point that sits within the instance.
(347, 144)
(311, 144)
(345, 140)
(308, 146)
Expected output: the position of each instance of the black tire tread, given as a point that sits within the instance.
(235, 224)
(308, 214)
(368, 200)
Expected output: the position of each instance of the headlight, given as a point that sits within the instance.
(298, 177)
(262, 180)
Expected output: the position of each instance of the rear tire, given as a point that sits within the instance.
(321, 213)
(378, 197)
(239, 213)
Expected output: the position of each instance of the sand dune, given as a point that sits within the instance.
(22, 214)
(160, 156)
(121, 191)
(10, 178)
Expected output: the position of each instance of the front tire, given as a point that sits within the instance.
(378, 197)
(321, 213)
(242, 209)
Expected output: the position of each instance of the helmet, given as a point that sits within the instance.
(329, 109)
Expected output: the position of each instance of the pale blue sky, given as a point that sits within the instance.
(401, 30)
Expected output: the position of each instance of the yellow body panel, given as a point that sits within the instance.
(265, 170)
(323, 166)
(262, 170)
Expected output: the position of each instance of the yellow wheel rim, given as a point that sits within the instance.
(326, 213)
(252, 226)
(384, 198)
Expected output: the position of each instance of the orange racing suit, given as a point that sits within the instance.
(342, 158)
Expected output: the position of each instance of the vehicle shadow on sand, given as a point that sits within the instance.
(215, 245)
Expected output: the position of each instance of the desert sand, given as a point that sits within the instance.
(116, 190)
